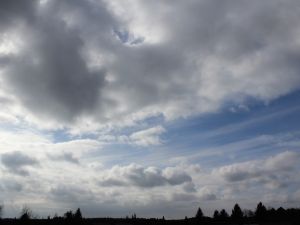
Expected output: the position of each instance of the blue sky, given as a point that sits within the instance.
(151, 107)
(227, 127)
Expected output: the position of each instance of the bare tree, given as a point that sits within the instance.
(26, 213)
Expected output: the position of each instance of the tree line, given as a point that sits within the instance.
(260, 215)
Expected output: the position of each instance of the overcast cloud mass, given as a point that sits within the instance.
(153, 107)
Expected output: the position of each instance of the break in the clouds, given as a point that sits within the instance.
(148, 104)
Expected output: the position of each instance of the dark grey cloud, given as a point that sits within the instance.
(239, 175)
(50, 76)
(17, 162)
(144, 177)
(13, 10)
(4, 60)
(176, 177)
(59, 84)
(209, 197)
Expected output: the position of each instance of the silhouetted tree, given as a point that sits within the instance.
(26, 214)
(223, 214)
(216, 214)
(68, 215)
(260, 212)
(281, 213)
(199, 213)
(283, 216)
(237, 213)
(78, 215)
(248, 213)
(271, 213)
(55, 217)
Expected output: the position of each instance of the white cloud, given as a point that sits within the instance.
(144, 138)
(147, 137)
(273, 172)
(281, 162)
(41, 144)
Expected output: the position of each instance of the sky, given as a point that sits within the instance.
(149, 107)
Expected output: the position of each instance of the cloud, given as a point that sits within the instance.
(272, 168)
(11, 11)
(58, 84)
(67, 157)
(207, 194)
(284, 161)
(239, 172)
(72, 71)
(176, 176)
(144, 138)
(88, 69)
(183, 197)
(31, 143)
(204, 194)
(11, 185)
(49, 75)
(17, 162)
(109, 182)
(144, 188)
(145, 177)
(218, 59)
(70, 193)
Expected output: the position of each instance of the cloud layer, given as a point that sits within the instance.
(85, 64)
(89, 89)
(116, 190)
